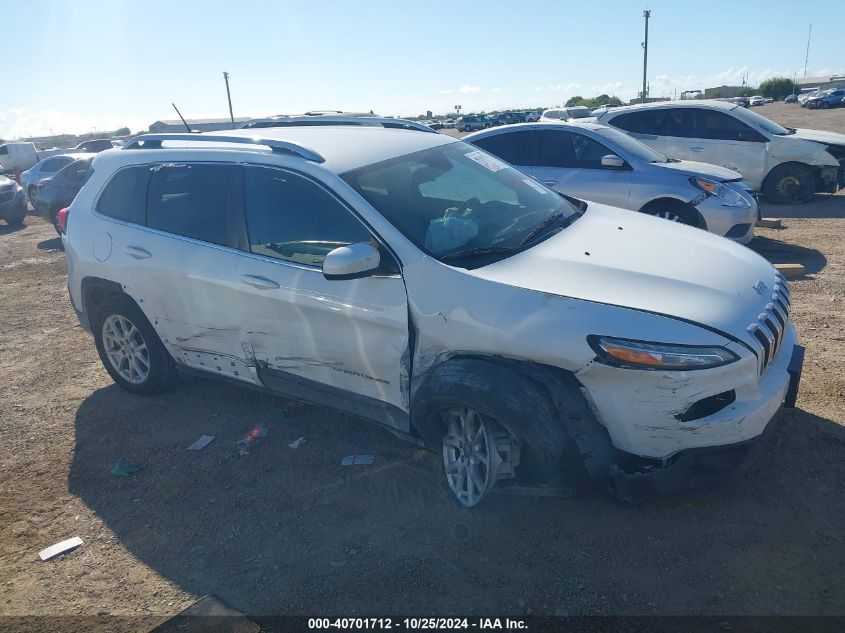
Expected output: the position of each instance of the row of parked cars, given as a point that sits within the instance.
(49, 179)
(476, 295)
(821, 99)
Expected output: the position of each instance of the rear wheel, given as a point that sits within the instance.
(54, 218)
(130, 349)
(790, 183)
(33, 195)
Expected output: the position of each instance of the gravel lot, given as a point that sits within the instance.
(290, 531)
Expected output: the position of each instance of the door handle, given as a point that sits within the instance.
(137, 252)
(696, 149)
(257, 281)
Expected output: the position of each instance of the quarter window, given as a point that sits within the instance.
(191, 200)
(291, 218)
(125, 197)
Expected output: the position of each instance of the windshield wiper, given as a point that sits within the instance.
(547, 223)
(479, 251)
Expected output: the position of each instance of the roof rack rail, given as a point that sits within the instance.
(154, 141)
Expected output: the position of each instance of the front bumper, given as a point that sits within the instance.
(14, 207)
(731, 222)
(633, 478)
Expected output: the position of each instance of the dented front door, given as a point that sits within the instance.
(341, 342)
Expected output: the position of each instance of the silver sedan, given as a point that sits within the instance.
(601, 164)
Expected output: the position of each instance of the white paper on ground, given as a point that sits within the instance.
(60, 548)
(201, 443)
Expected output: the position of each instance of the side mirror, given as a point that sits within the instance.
(612, 161)
(351, 262)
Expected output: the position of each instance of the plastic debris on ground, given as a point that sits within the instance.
(201, 443)
(124, 468)
(256, 434)
(60, 548)
(297, 443)
(357, 460)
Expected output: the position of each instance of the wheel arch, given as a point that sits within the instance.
(96, 292)
(678, 203)
(575, 422)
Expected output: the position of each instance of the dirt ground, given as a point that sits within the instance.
(291, 531)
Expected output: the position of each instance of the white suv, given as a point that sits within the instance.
(416, 281)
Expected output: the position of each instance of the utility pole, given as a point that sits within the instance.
(229, 97)
(807, 56)
(646, 15)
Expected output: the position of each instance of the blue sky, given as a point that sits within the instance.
(102, 64)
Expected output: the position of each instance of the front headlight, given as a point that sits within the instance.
(728, 196)
(622, 352)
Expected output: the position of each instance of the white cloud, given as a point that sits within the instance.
(446, 92)
(21, 122)
(495, 90)
(467, 89)
(563, 87)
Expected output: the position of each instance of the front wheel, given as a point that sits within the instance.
(477, 452)
(130, 349)
(33, 195)
(671, 210)
(790, 183)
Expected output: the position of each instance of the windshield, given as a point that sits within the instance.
(456, 198)
(761, 122)
(631, 145)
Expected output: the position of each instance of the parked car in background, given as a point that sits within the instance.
(471, 122)
(435, 124)
(768, 100)
(31, 179)
(92, 146)
(533, 116)
(602, 164)
(322, 120)
(793, 98)
(450, 122)
(428, 286)
(564, 114)
(17, 156)
(12, 202)
(59, 190)
(756, 100)
(806, 96)
(826, 99)
(786, 164)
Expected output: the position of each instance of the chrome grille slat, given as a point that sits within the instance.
(770, 327)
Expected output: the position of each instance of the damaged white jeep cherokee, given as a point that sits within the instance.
(416, 281)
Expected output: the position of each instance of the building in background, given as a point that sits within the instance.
(201, 125)
(822, 83)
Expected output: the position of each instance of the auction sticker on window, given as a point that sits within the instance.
(485, 160)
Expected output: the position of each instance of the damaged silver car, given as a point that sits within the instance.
(416, 281)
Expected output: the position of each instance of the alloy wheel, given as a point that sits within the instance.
(668, 215)
(126, 349)
(471, 454)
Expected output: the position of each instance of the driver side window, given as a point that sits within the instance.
(291, 218)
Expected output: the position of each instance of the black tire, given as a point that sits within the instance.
(54, 218)
(515, 402)
(162, 372)
(16, 220)
(29, 194)
(676, 211)
(790, 183)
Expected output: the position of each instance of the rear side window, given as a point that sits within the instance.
(658, 121)
(517, 148)
(77, 171)
(125, 197)
(191, 200)
(291, 218)
(554, 149)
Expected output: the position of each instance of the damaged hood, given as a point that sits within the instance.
(820, 136)
(628, 259)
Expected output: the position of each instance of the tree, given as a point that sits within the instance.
(124, 131)
(595, 102)
(777, 87)
(574, 101)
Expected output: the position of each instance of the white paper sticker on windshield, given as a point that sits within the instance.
(535, 186)
(485, 160)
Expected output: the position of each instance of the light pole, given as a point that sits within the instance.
(646, 15)
(229, 97)
(807, 56)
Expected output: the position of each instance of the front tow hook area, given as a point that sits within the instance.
(796, 364)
